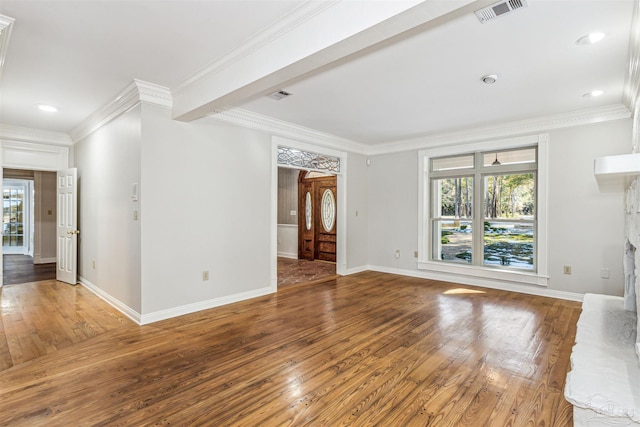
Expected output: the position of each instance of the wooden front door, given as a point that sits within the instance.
(306, 225)
(317, 205)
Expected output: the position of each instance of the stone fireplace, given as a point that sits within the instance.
(632, 256)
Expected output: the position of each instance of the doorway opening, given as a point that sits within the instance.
(307, 226)
(28, 226)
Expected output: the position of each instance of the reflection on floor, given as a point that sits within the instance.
(291, 271)
(21, 269)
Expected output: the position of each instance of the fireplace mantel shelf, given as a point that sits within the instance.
(615, 173)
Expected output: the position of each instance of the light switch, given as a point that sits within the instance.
(135, 215)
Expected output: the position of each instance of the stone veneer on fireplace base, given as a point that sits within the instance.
(632, 256)
(604, 382)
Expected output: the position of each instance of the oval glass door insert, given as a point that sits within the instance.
(328, 210)
(307, 211)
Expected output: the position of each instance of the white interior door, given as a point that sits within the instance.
(67, 226)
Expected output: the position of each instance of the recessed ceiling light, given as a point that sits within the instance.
(490, 79)
(593, 93)
(590, 39)
(47, 108)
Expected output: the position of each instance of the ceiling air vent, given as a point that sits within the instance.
(498, 9)
(279, 95)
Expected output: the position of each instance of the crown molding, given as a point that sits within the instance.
(136, 92)
(534, 125)
(295, 18)
(6, 26)
(154, 94)
(36, 136)
(632, 82)
(281, 128)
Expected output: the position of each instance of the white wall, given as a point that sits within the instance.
(45, 217)
(288, 240)
(108, 163)
(585, 226)
(205, 206)
(357, 212)
(393, 210)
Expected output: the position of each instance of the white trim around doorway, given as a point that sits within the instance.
(341, 256)
(32, 156)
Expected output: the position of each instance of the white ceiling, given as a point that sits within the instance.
(80, 54)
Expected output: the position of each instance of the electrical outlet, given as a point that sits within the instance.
(135, 215)
(397, 254)
(93, 264)
(566, 269)
(415, 254)
(604, 273)
(205, 275)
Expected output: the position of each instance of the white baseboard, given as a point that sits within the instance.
(358, 269)
(38, 260)
(287, 255)
(204, 305)
(144, 319)
(483, 283)
(114, 302)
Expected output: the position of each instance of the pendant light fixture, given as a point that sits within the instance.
(496, 162)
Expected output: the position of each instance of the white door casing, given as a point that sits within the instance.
(67, 251)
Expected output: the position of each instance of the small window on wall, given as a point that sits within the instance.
(482, 210)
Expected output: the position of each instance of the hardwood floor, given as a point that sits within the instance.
(40, 318)
(21, 269)
(366, 349)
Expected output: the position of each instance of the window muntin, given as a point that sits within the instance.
(453, 219)
(510, 196)
(452, 163)
(455, 243)
(13, 216)
(509, 244)
(502, 228)
(509, 157)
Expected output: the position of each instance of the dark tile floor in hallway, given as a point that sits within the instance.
(21, 269)
(292, 271)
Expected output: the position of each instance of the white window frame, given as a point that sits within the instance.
(540, 276)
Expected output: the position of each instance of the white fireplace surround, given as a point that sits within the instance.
(604, 382)
(632, 256)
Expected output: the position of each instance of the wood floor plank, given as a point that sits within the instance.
(367, 349)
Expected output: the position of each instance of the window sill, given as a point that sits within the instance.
(519, 277)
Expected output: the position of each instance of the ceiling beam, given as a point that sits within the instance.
(316, 35)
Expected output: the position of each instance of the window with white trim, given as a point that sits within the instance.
(481, 210)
